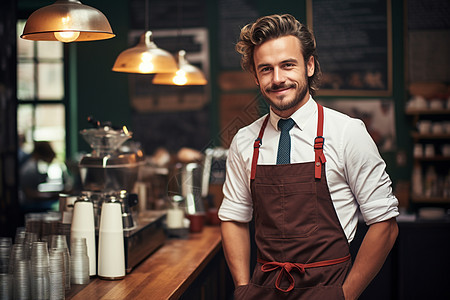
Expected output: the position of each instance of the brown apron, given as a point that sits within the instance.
(303, 251)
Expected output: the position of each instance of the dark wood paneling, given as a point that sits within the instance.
(10, 217)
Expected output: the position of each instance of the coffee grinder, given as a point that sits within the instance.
(108, 171)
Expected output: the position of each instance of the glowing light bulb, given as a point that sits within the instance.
(66, 36)
(146, 66)
(180, 78)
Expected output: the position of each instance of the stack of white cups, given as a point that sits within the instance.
(111, 258)
(83, 226)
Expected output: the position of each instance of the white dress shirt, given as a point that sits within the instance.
(355, 171)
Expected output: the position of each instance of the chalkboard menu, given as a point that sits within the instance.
(233, 15)
(163, 14)
(428, 15)
(354, 46)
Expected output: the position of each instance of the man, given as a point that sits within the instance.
(304, 201)
(32, 174)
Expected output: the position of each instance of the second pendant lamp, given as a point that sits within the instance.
(145, 58)
(186, 74)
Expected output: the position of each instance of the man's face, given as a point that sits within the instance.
(281, 74)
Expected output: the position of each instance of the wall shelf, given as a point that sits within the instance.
(431, 172)
(434, 200)
(428, 111)
(436, 158)
(430, 136)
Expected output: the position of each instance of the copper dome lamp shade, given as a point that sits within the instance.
(186, 74)
(67, 21)
(145, 58)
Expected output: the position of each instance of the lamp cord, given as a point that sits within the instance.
(146, 15)
(180, 22)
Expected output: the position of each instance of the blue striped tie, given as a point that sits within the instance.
(284, 145)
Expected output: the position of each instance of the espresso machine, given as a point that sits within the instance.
(111, 170)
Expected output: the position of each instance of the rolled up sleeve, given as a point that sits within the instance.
(237, 204)
(379, 210)
(365, 171)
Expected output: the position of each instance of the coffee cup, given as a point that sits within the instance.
(197, 222)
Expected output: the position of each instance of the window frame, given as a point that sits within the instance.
(36, 101)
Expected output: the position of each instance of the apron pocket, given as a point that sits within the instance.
(287, 210)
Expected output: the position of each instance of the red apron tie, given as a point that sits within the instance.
(286, 268)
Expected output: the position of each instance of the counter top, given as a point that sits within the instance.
(166, 274)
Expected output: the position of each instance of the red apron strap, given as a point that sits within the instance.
(318, 144)
(256, 145)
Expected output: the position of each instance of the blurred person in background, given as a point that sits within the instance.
(22, 155)
(41, 180)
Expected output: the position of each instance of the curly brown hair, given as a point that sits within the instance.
(274, 26)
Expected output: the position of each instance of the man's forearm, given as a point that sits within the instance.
(236, 246)
(377, 244)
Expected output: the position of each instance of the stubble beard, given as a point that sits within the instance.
(286, 105)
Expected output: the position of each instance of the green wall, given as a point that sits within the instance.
(101, 92)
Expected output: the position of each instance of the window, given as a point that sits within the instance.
(40, 93)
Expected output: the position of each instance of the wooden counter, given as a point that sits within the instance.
(166, 274)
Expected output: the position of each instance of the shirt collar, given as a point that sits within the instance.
(300, 116)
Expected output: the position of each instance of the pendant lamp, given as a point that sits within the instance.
(186, 74)
(67, 21)
(145, 58)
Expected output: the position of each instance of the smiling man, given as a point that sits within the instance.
(301, 172)
(282, 74)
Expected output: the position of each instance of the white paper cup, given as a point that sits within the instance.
(111, 257)
(83, 226)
